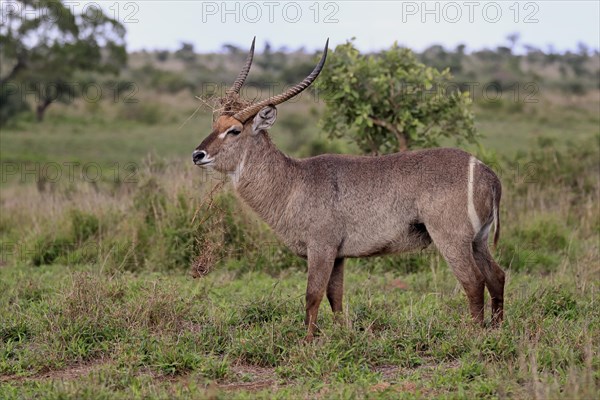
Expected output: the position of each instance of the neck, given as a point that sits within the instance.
(263, 179)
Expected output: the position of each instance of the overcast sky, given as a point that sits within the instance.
(160, 24)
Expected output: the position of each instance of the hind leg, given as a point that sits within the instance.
(494, 278)
(335, 287)
(458, 253)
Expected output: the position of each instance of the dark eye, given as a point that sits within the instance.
(234, 132)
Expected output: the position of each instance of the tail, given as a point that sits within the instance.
(497, 195)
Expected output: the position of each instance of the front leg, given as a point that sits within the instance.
(320, 265)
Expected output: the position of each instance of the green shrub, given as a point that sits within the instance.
(47, 249)
(85, 225)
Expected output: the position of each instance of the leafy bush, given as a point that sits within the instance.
(391, 101)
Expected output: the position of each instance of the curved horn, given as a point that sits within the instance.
(250, 111)
(241, 78)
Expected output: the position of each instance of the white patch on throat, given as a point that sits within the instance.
(236, 175)
(475, 222)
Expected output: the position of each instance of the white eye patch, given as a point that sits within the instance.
(230, 130)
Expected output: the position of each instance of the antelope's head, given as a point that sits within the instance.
(239, 123)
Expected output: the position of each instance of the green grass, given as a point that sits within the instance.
(198, 336)
(509, 134)
(95, 140)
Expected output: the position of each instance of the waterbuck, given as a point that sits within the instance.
(331, 207)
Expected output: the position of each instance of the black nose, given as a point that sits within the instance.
(198, 155)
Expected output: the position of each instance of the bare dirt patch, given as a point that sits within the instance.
(388, 372)
(71, 372)
(258, 378)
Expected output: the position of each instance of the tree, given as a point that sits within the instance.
(162, 55)
(46, 44)
(186, 53)
(582, 49)
(513, 39)
(390, 101)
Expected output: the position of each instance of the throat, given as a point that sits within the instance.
(236, 174)
(264, 181)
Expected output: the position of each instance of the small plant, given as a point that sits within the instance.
(84, 225)
(559, 303)
(47, 249)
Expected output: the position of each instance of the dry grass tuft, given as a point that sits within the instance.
(209, 245)
(231, 104)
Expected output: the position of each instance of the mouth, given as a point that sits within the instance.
(203, 163)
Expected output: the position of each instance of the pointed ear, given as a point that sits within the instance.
(264, 119)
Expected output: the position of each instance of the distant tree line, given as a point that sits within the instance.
(573, 72)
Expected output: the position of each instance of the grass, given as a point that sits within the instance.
(198, 336)
(97, 298)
